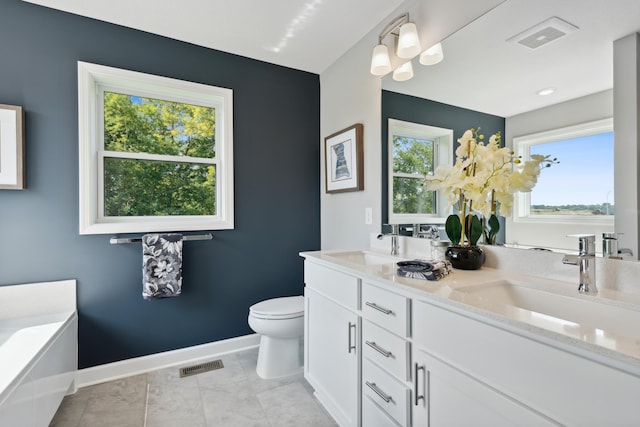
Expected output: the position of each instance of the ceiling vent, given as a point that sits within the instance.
(543, 33)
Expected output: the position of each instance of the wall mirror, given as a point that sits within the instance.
(497, 65)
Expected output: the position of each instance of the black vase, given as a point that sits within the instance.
(465, 257)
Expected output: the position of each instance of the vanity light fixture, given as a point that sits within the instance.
(408, 41)
(403, 72)
(407, 47)
(407, 36)
(380, 62)
(433, 55)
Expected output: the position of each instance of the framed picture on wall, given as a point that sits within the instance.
(344, 160)
(11, 147)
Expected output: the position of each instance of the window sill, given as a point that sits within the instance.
(127, 225)
(561, 219)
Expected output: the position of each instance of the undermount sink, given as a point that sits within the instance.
(553, 309)
(364, 257)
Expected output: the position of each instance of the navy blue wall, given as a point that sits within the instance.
(424, 111)
(276, 134)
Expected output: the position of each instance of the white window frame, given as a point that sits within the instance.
(443, 139)
(93, 80)
(522, 201)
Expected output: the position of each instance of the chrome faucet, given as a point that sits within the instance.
(394, 238)
(586, 260)
(610, 245)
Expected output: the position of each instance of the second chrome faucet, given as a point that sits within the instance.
(586, 260)
(394, 238)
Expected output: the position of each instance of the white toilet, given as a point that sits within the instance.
(280, 322)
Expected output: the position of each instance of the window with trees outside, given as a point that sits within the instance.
(580, 187)
(415, 150)
(155, 153)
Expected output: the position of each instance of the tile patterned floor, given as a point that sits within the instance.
(230, 397)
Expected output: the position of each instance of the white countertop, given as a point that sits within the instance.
(614, 341)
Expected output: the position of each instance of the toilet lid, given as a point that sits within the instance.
(279, 307)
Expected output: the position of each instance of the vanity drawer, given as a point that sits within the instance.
(374, 416)
(386, 309)
(388, 393)
(339, 286)
(386, 349)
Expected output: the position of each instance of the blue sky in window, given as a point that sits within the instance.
(583, 176)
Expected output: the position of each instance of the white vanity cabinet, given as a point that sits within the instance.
(386, 357)
(472, 373)
(332, 341)
(382, 354)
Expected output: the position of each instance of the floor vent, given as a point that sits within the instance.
(200, 368)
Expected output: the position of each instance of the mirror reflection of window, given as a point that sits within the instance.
(413, 158)
(586, 174)
(415, 150)
(578, 188)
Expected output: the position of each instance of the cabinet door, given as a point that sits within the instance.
(332, 353)
(445, 396)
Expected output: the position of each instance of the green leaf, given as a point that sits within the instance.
(494, 227)
(473, 229)
(453, 228)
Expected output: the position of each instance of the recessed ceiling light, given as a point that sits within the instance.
(546, 91)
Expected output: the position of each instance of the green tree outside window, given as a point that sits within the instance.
(174, 179)
(413, 158)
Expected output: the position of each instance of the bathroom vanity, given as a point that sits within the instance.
(488, 347)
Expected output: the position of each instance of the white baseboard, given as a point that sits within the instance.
(139, 365)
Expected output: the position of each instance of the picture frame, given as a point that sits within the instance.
(344, 160)
(12, 147)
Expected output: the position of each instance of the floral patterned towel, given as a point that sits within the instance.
(161, 265)
(425, 270)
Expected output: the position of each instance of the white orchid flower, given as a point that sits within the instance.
(485, 176)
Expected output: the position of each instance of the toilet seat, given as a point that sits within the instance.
(279, 308)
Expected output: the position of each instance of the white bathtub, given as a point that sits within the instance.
(38, 350)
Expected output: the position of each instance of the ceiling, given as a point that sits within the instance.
(307, 35)
(481, 71)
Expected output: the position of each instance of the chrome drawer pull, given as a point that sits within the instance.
(417, 397)
(379, 349)
(351, 346)
(377, 307)
(379, 392)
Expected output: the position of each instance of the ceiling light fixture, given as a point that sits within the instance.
(407, 47)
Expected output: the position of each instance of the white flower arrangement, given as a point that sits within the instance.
(482, 182)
